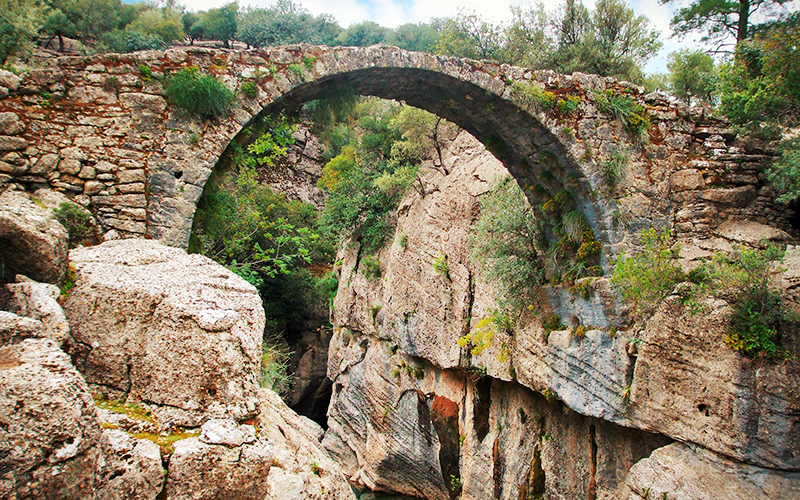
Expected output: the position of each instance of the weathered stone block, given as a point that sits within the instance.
(685, 180)
(10, 124)
(10, 143)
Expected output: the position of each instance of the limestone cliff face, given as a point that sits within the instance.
(413, 412)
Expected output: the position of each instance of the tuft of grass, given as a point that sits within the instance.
(250, 90)
(198, 93)
(166, 442)
(441, 266)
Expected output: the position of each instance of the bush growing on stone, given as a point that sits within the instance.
(76, 221)
(200, 94)
(274, 367)
(505, 243)
(624, 108)
(784, 173)
(645, 278)
(250, 90)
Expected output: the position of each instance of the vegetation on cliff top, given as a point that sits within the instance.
(743, 279)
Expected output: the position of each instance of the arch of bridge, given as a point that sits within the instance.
(100, 128)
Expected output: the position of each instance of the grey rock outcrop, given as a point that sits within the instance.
(50, 440)
(301, 467)
(32, 242)
(202, 471)
(152, 324)
(686, 472)
(284, 462)
(38, 301)
(672, 376)
(130, 469)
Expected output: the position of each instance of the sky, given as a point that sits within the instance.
(392, 13)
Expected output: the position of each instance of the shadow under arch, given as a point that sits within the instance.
(538, 160)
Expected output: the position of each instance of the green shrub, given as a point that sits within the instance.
(146, 72)
(200, 94)
(784, 172)
(533, 94)
(624, 108)
(274, 367)
(78, 223)
(440, 265)
(614, 167)
(250, 90)
(647, 277)
(553, 323)
(745, 281)
(568, 104)
(505, 241)
(370, 267)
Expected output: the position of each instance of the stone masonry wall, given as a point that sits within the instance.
(99, 129)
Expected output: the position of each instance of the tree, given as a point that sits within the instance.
(720, 20)
(285, 23)
(469, 35)
(421, 37)
(528, 37)
(193, 26)
(363, 34)
(693, 75)
(220, 23)
(620, 39)
(19, 22)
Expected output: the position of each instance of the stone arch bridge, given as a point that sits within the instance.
(100, 129)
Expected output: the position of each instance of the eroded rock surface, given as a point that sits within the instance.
(686, 472)
(301, 467)
(50, 440)
(32, 242)
(152, 324)
(395, 345)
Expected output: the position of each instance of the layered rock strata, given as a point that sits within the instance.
(636, 387)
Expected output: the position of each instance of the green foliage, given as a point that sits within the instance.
(693, 75)
(270, 145)
(68, 283)
(480, 337)
(146, 72)
(316, 469)
(78, 223)
(298, 70)
(274, 366)
(505, 241)
(250, 90)
(455, 483)
(647, 277)
(284, 23)
(201, 94)
(370, 267)
(19, 22)
(784, 172)
(221, 23)
(745, 281)
(553, 323)
(469, 35)
(371, 174)
(568, 104)
(624, 108)
(720, 22)
(362, 34)
(615, 166)
(440, 265)
(763, 82)
(533, 94)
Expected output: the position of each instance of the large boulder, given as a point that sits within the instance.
(155, 325)
(50, 440)
(38, 301)
(32, 242)
(226, 461)
(686, 472)
(130, 469)
(301, 468)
